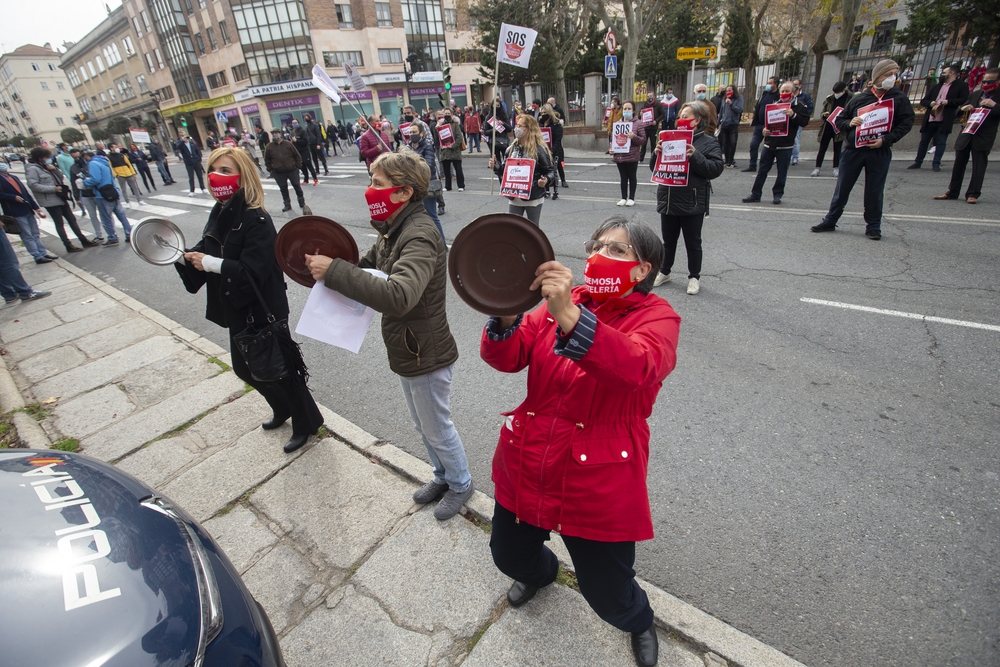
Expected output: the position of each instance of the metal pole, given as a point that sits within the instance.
(496, 85)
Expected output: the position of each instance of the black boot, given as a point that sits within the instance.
(287, 207)
(274, 422)
(296, 442)
(824, 227)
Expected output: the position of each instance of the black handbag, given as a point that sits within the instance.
(10, 225)
(269, 351)
(108, 192)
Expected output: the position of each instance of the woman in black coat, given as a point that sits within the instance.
(237, 247)
(684, 208)
(139, 161)
(550, 118)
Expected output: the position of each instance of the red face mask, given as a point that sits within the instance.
(606, 277)
(223, 186)
(990, 86)
(687, 124)
(729, 93)
(785, 97)
(380, 206)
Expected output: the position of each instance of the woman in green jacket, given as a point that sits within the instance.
(421, 349)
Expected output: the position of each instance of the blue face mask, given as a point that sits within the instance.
(767, 88)
(627, 115)
(701, 96)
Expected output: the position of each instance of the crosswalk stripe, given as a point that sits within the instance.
(195, 201)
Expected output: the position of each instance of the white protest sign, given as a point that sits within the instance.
(332, 318)
(323, 81)
(620, 141)
(357, 83)
(515, 45)
(139, 136)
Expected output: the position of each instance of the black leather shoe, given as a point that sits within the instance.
(646, 647)
(520, 593)
(776, 201)
(914, 166)
(750, 200)
(273, 423)
(824, 227)
(295, 442)
(287, 207)
(874, 234)
(752, 169)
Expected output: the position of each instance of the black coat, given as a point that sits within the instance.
(244, 238)
(983, 139)
(706, 163)
(300, 137)
(799, 119)
(765, 99)
(79, 170)
(902, 117)
(543, 167)
(958, 96)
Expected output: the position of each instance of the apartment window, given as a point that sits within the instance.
(60, 86)
(68, 103)
(344, 17)
(473, 23)
(200, 42)
(224, 32)
(100, 64)
(211, 38)
(275, 37)
(52, 103)
(145, 21)
(127, 44)
(450, 19)
(149, 63)
(35, 66)
(202, 4)
(882, 39)
(84, 104)
(53, 67)
(112, 96)
(338, 58)
(383, 14)
(90, 68)
(217, 80)
(140, 80)
(159, 58)
(425, 35)
(166, 93)
(112, 54)
(104, 100)
(241, 72)
(59, 120)
(389, 56)
(135, 24)
(74, 79)
(83, 74)
(5, 73)
(188, 7)
(124, 86)
(464, 55)
(45, 85)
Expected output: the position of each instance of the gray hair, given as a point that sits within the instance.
(644, 241)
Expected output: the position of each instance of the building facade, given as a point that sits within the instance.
(36, 98)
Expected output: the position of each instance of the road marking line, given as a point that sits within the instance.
(899, 313)
(194, 201)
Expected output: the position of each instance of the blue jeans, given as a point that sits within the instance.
(90, 206)
(12, 283)
(940, 145)
(428, 398)
(474, 139)
(30, 236)
(107, 209)
(430, 205)
(798, 141)
(755, 141)
(767, 158)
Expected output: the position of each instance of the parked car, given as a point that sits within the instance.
(97, 568)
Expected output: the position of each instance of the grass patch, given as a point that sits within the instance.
(220, 363)
(473, 518)
(37, 410)
(67, 445)
(246, 389)
(8, 434)
(476, 637)
(567, 578)
(323, 433)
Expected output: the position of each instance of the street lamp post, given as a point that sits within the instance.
(155, 95)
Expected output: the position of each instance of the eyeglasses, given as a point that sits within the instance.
(616, 249)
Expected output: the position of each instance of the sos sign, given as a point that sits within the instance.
(515, 45)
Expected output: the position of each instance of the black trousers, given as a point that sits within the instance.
(459, 174)
(307, 165)
(603, 569)
(627, 178)
(317, 157)
(559, 156)
(282, 178)
(652, 135)
(979, 161)
(767, 158)
(194, 169)
(65, 212)
(728, 136)
(938, 133)
(755, 142)
(828, 136)
(147, 176)
(671, 227)
(287, 397)
(875, 163)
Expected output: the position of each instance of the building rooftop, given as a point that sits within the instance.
(32, 51)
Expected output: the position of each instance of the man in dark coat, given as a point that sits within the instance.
(976, 140)
(300, 138)
(315, 133)
(874, 158)
(283, 161)
(189, 152)
(769, 96)
(942, 101)
(651, 130)
(779, 149)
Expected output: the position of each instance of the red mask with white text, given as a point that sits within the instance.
(606, 277)
(785, 97)
(223, 186)
(687, 124)
(990, 86)
(380, 204)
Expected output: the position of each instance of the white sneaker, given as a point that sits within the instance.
(142, 203)
(693, 286)
(836, 172)
(192, 194)
(461, 189)
(127, 205)
(204, 191)
(621, 202)
(630, 202)
(660, 279)
(815, 172)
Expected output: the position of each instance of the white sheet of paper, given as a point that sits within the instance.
(332, 318)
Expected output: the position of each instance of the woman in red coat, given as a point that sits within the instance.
(573, 456)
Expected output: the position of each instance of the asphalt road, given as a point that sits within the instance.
(822, 478)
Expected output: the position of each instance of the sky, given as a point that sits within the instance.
(53, 21)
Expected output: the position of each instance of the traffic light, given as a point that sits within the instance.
(446, 76)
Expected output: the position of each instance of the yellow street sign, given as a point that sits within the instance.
(639, 90)
(695, 52)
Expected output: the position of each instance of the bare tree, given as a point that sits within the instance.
(639, 16)
(564, 24)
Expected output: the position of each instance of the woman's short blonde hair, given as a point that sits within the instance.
(253, 189)
(405, 168)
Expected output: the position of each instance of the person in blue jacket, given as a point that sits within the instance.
(102, 181)
(17, 202)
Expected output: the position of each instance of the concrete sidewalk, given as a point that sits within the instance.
(328, 539)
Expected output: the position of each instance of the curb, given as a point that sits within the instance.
(670, 613)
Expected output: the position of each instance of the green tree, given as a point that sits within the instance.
(17, 141)
(100, 134)
(677, 26)
(490, 14)
(931, 21)
(119, 125)
(638, 18)
(737, 40)
(31, 142)
(71, 135)
(590, 57)
(150, 125)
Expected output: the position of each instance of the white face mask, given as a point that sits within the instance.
(838, 95)
(518, 131)
(888, 82)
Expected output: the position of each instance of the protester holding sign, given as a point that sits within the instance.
(613, 113)
(833, 106)
(730, 114)
(778, 145)
(875, 155)
(976, 139)
(683, 208)
(550, 119)
(628, 135)
(527, 145)
(448, 138)
(652, 116)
